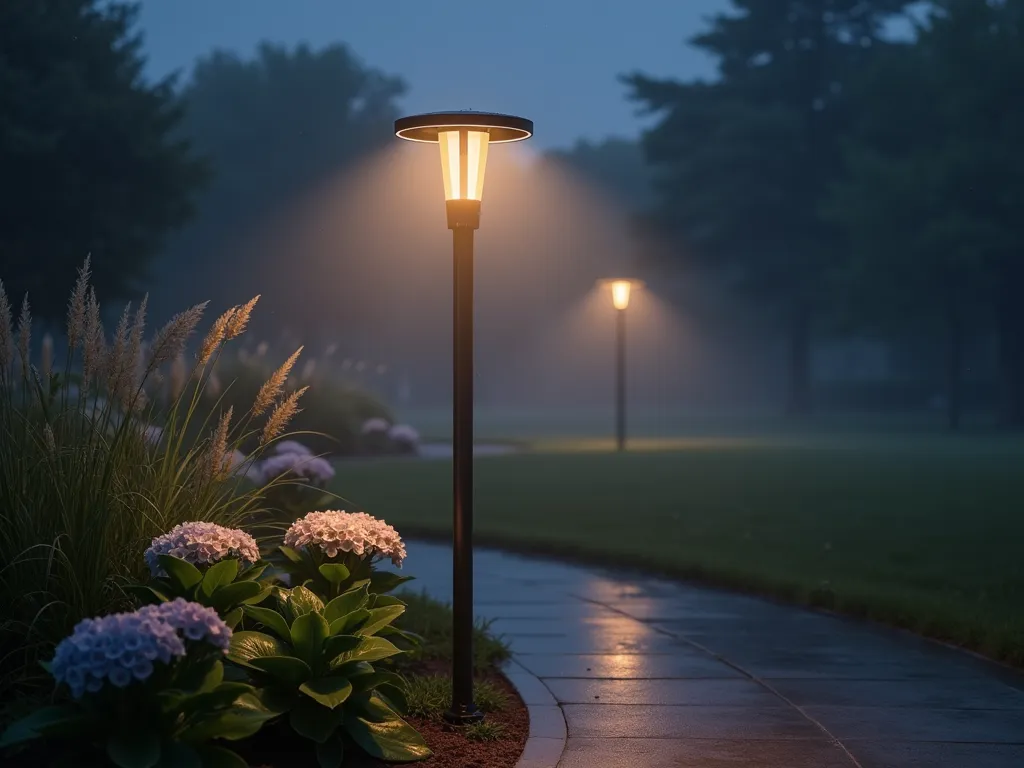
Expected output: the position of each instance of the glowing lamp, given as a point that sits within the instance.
(464, 139)
(621, 289)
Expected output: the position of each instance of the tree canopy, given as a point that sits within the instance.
(92, 160)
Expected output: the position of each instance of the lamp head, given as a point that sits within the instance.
(464, 138)
(621, 288)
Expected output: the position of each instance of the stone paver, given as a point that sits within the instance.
(653, 673)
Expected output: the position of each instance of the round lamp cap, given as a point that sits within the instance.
(501, 128)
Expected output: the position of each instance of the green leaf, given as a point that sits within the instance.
(313, 721)
(174, 754)
(134, 747)
(364, 683)
(338, 644)
(409, 637)
(335, 573)
(218, 698)
(219, 757)
(35, 725)
(329, 691)
(353, 669)
(380, 617)
(287, 669)
(271, 619)
(331, 753)
(294, 555)
(183, 574)
(346, 603)
(213, 678)
(308, 634)
(385, 735)
(301, 601)
(346, 624)
(262, 595)
(232, 617)
(385, 581)
(394, 697)
(370, 649)
(382, 601)
(230, 724)
(231, 595)
(253, 572)
(246, 646)
(219, 575)
(148, 593)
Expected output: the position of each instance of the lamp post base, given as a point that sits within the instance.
(463, 716)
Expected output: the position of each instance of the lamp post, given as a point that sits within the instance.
(620, 290)
(464, 138)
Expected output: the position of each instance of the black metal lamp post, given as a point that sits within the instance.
(620, 290)
(464, 138)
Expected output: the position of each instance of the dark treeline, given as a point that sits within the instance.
(850, 181)
(844, 181)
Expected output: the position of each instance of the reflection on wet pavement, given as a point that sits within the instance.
(655, 673)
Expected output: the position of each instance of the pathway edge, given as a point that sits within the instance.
(548, 735)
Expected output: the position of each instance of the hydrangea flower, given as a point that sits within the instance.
(292, 446)
(375, 425)
(313, 468)
(194, 621)
(123, 647)
(202, 543)
(334, 531)
(404, 434)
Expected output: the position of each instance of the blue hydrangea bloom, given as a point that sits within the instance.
(123, 647)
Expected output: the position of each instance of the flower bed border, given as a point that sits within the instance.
(546, 740)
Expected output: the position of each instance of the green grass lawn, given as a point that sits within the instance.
(922, 532)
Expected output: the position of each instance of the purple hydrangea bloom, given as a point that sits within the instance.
(312, 468)
(123, 647)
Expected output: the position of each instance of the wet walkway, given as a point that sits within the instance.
(656, 674)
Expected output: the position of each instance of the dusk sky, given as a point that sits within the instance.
(555, 61)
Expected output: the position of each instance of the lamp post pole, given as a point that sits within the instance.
(620, 378)
(464, 138)
(463, 709)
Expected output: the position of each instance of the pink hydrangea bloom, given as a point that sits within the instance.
(202, 543)
(337, 531)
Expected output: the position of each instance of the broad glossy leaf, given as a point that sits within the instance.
(220, 757)
(246, 646)
(393, 631)
(370, 649)
(353, 669)
(134, 748)
(182, 573)
(385, 581)
(308, 633)
(377, 677)
(232, 617)
(379, 730)
(262, 595)
(271, 619)
(37, 724)
(253, 572)
(286, 669)
(350, 622)
(335, 573)
(301, 601)
(336, 645)
(230, 724)
(314, 721)
(213, 678)
(346, 603)
(380, 617)
(331, 753)
(233, 594)
(382, 601)
(218, 698)
(219, 575)
(331, 692)
(394, 697)
(292, 554)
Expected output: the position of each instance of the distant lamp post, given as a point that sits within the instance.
(621, 288)
(464, 139)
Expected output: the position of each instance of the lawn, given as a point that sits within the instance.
(924, 532)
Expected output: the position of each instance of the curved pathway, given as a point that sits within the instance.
(660, 674)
